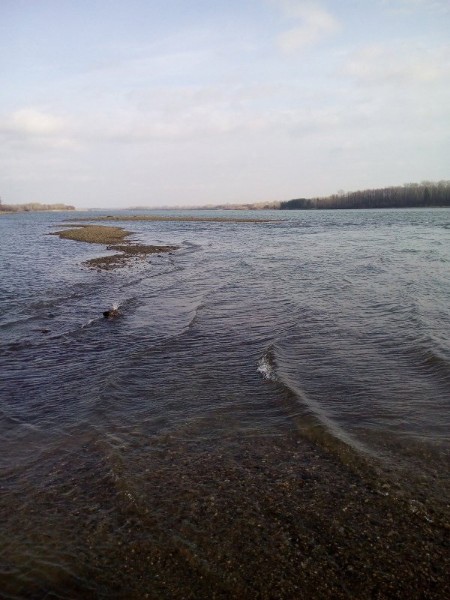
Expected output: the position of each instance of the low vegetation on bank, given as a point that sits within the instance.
(33, 207)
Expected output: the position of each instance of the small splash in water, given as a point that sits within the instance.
(266, 366)
(88, 323)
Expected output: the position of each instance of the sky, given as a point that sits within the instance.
(164, 103)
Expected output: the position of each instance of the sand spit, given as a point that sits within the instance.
(111, 237)
(93, 234)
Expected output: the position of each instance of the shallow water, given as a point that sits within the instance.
(333, 325)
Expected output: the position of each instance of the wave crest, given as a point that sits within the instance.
(267, 366)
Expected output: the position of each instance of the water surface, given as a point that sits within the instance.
(330, 327)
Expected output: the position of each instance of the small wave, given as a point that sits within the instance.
(266, 366)
(431, 359)
(88, 323)
(188, 247)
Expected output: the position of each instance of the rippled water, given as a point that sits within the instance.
(333, 323)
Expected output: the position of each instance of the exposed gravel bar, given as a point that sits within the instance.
(111, 237)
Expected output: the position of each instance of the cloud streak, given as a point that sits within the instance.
(408, 6)
(31, 122)
(397, 64)
(34, 128)
(313, 24)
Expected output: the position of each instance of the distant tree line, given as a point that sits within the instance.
(33, 206)
(426, 193)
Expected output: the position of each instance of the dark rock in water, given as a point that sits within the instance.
(111, 314)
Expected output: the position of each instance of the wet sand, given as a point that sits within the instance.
(254, 518)
(111, 237)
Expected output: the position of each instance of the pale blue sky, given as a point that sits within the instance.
(164, 103)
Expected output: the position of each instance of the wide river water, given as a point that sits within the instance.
(334, 325)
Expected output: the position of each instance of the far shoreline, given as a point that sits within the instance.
(170, 218)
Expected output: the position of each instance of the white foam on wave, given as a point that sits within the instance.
(266, 368)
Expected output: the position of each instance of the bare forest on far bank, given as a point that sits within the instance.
(410, 195)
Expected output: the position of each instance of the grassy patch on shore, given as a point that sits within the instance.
(111, 237)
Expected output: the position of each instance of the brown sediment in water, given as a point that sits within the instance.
(111, 237)
(244, 518)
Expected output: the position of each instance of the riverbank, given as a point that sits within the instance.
(111, 237)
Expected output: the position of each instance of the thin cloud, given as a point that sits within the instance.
(34, 128)
(397, 65)
(408, 6)
(174, 114)
(314, 23)
(32, 122)
(194, 113)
